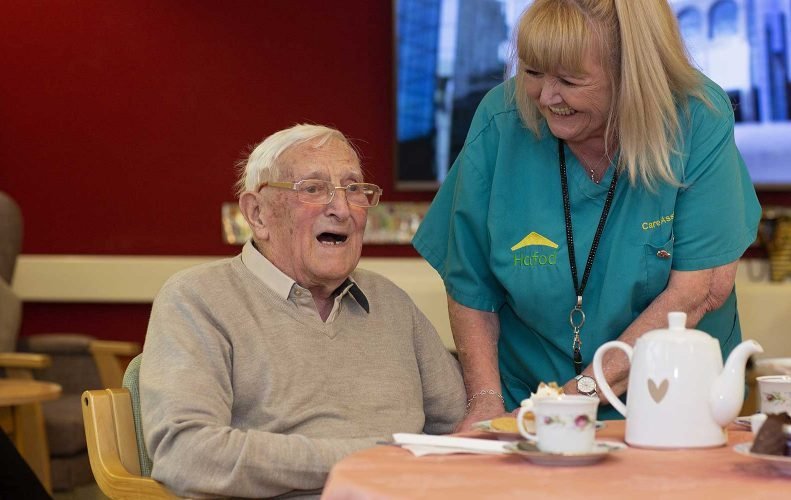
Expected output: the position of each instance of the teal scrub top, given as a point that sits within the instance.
(496, 234)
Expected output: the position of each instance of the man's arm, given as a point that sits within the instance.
(692, 292)
(443, 389)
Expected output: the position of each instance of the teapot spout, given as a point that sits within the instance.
(727, 392)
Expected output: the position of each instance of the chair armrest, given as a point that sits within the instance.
(108, 354)
(22, 364)
(115, 348)
(112, 446)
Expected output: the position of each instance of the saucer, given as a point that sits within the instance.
(486, 426)
(779, 462)
(529, 451)
(746, 422)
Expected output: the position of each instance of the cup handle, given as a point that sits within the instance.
(601, 382)
(525, 407)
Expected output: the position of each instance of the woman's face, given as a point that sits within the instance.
(575, 106)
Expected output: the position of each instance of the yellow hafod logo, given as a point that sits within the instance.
(534, 239)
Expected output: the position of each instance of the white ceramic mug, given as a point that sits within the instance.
(564, 424)
(775, 392)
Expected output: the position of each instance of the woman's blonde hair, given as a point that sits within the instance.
(642, 53)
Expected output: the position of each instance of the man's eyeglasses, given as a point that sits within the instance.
(317, 192)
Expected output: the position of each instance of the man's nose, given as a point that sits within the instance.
(339, 205)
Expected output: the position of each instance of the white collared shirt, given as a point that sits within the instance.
(288, 289)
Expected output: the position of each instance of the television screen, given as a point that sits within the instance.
(451, 52)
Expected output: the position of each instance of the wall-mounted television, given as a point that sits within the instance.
(449, 53)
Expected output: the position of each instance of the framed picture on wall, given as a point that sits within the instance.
(449, 53)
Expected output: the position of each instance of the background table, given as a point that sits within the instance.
(22, 419)
(391, 472)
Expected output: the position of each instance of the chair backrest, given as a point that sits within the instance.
(10, 317)
(10, 245)
(112, 446)
(131, 383)
(10, 236)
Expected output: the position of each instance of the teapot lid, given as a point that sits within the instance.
(677, 329)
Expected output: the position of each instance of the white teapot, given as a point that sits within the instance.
(679, 394)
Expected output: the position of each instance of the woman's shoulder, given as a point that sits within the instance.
(496, 113)
(500, 98)
(718, 101)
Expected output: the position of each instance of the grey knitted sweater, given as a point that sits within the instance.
(243, 395)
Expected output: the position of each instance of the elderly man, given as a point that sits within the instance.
(261, 371)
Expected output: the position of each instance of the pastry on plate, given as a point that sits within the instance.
(504, 424)
(544, 390)
(771, 440)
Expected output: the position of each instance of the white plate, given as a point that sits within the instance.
(746, 422)
(779, 462)
(486, 426)
(600, 451)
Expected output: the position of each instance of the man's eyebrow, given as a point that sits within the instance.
(314, 174)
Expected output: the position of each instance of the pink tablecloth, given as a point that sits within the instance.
(388, 472)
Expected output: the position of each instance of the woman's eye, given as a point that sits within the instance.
(533, 73)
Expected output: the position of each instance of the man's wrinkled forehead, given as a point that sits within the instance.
(332, 156)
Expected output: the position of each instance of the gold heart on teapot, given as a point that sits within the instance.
(657, 393)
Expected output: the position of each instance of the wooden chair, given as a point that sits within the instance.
(25, 426)
(74, 361)
(112, 446)
(79, 362)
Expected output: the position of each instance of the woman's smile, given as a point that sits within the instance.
(561, 110)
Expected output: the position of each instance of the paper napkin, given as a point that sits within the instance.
(423, 444)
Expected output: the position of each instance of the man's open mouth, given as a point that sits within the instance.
(331, 238)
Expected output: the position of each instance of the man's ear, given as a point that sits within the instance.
(252, 212)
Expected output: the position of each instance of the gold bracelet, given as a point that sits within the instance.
(484, 392)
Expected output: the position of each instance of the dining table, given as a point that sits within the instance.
(22, 419)
(391, 472)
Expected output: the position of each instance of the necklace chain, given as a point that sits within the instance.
(577, 315)
(592, 170)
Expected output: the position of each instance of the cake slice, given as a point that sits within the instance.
(770, 439)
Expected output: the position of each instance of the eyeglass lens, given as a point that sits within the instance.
(322, 192)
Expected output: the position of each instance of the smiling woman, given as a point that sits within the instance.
(597, 96)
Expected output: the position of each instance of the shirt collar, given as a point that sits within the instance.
(282, 284)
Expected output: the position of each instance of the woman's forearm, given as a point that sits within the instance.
(693, 292)
(475, 334)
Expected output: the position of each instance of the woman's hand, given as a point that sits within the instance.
(693, 292)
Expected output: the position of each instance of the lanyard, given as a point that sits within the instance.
(577, 315)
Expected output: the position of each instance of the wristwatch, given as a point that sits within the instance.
(586, 385)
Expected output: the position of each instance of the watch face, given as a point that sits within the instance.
(586, 385)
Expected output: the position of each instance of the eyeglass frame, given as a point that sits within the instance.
(295, 185)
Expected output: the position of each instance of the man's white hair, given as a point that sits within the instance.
(262, 166)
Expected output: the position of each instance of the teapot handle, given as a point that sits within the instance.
(601, 382)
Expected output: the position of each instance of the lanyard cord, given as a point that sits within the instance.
(577, 316)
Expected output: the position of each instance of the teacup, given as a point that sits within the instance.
(564, 424)
(775, 392)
